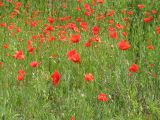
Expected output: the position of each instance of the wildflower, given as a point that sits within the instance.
(113, 34)
(51, 38)
(5, 46)
(34, 64)
(110, 13)
(140, 6)
(150, 47)
(154, 12)
(100, 1)
(55, 78)
(88, 43)
(30, 49)
(123, 45)
(33, 23)
(130, 12)
(21, 75)
(133, 68)
(95, 30)
(50, 20)
(87, 7)
(49, 28)
(19, 55)
(74, 38)
(158, 30)
(3, 24)
(73, 56)
(72, 118)
(119, 26)
(124, 34)
(88, 77)
(1, 64)
(1, 4)
(102, 97)
(83, 25)
(73, 27)
(79, 1)
(147, 20)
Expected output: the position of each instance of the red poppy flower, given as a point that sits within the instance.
(124, 34)
(73, 56)
(87, 13)
(49, 28)
(71, 26)
(55, 78)
(70, 53)
(72, 118)
(100, 1)
(1, 4)
(158, 30)
(88, 43)
(17, 5)
(119, 26)
(133, 68)
(147, 20)
(3, 24)
(79, 0)
(95, 30)
(140, 6)
(1, 64)
(78, 8)
(78, 19)
(100, 17)
(154, 12)
(130, 12)
(21, 72)
(5, 46)
(50, 20)
(87, 7)
(51, 38)
(21, 75)
(110, 22)
(9, 0)
(19, 55)
(83, 25)
(113, 34)
(74, 38)
(33, 23)
(88, 77)
(123, 45)
(30, 49)
(34, 64)
(110, 13)
(11, 26)
(150, 47)
(102, 97)
(18, 29)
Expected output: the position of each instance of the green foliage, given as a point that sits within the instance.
(134, 97)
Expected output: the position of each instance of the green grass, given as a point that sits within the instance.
(134, 97)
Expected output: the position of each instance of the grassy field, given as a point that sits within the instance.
(80, 60)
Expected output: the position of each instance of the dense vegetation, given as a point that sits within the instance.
(80, 60)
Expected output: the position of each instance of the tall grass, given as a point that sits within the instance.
(131, 97)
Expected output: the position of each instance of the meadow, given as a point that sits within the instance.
(80, 59)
